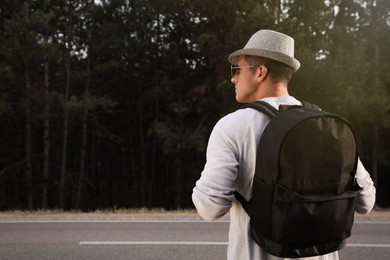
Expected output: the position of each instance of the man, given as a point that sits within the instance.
(260, 71)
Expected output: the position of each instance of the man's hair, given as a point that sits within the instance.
(277, 70)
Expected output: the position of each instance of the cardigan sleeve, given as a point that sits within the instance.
(366, 199)
(214, 191)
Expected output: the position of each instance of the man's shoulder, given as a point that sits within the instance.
(238, 116)
(241, 120)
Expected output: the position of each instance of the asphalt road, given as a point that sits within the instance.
(161, 236)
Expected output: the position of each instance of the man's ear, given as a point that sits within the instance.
(262, 70)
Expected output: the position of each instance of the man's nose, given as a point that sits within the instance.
(234, 79)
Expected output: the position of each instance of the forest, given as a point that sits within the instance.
(110, 103)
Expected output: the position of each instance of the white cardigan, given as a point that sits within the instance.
(230, 166)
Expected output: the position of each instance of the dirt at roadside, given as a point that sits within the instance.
(376, 214)
(384, 213)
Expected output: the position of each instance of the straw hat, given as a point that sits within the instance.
(269, 44)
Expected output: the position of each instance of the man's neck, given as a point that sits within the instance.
(273, 90)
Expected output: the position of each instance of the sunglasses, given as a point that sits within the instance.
(235, 69)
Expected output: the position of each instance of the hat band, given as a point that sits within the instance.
(274, 55)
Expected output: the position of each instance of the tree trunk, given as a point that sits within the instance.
(83, 151)
(63, 159)
(374, 158)
(178, 185)
(46, 138)
(133, 173)
(133, 185)
(142, 156)
(94, 167)
(275, 10)
(83, 148)
(142, 186)
(28, 137)
(375, 69)
(65, 135)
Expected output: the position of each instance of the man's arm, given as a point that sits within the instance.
(366, 199)
(214, 191)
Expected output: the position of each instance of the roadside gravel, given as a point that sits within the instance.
(97, 216)
(148, 216)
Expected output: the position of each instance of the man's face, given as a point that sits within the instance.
(245, 82)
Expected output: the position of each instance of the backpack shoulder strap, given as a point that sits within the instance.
(308, 105)
(271, 112)
(262, 106)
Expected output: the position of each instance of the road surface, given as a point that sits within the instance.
(151, 236)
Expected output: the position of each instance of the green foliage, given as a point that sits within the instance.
(89, 102)
(154, 78)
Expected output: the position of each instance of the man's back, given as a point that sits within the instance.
(234, 142)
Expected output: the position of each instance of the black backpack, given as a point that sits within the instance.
(304, 187)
